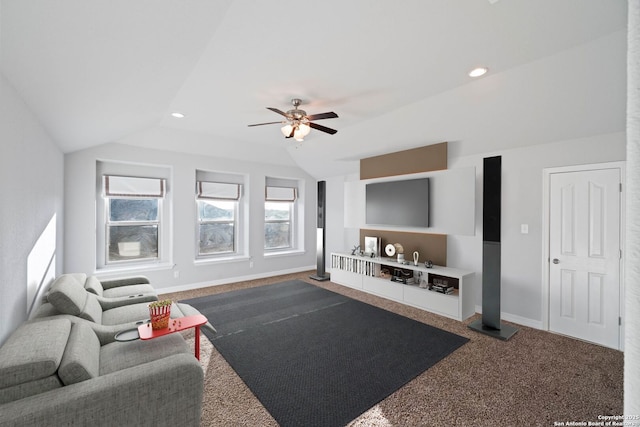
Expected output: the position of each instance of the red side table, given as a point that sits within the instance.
(146, 332)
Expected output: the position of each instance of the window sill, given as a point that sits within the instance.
(133, 268)
(221, 260)
(287, 252)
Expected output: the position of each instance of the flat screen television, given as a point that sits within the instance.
(398, 203)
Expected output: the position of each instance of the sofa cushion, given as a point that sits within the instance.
(79, 277)
(81, 359)
(20, 391)
(67, 295)
(122, 355)
(93, 285)
(33, 351)
(92, 310)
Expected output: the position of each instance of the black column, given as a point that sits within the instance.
(321, 275)
(491, 252)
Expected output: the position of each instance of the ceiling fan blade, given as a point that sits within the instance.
(268, 123)
(329, 115)
(322, 128)
(275, 110)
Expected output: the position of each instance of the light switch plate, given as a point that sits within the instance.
(524, 228)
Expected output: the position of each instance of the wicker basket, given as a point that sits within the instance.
(160, 316)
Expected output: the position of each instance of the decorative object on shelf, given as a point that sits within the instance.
(400, 252)
(160, 311)
(372, 246)
(390, 250)
(428, 264)
(416, 256)
(355, 250)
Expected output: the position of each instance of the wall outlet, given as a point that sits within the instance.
(524, 228)
(250, 263)
(176, 274)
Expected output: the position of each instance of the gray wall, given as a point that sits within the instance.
(31, 184)
(522, 193)
(80, 240)
(522, 201)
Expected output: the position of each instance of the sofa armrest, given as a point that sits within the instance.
(164, 392)
(106, 333)
(125, 281)
(109, 303)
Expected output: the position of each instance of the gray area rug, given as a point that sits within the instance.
(317, 358)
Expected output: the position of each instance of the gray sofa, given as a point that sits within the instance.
(70, 297)
(54, 372)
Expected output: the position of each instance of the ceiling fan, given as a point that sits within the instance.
(298, 123)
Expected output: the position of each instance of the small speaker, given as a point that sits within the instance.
(491, 199)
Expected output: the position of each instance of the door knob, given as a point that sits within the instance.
(556, 261)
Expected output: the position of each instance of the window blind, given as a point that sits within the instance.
(280, 194)
(129, 186)
(217, 190)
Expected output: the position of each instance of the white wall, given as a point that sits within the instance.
(80, 240)
(522, 204)
(31, 184)
(522, 179)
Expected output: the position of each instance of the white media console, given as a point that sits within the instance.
(373, 275)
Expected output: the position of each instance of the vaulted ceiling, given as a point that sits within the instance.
(99, 71)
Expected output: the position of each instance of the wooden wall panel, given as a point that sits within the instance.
(430, 246)
(422, 159)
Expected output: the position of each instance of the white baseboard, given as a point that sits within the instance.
(514, 318)
(218, 282)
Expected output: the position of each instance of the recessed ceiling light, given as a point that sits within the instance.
(177, 115)
(477, 72)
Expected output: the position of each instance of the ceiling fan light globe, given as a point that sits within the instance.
(286, 129)
(298, 135)
(304, 129)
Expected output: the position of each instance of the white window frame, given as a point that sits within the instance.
(286, 191)
(290, 221)
(134, 171)
(109, 224)
(222, 186)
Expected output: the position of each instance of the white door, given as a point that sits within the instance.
(584, 269)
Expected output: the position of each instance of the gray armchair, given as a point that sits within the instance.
(54, 372)
(67, 298)
(115, 292)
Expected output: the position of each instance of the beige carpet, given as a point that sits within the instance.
(534, 379)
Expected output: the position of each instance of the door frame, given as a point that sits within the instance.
(546, 205)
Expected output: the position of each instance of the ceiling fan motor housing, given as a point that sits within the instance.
(296, 113)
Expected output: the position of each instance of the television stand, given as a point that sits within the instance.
(441, 290)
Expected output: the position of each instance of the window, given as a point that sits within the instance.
(133, 214)
(279, 214)
(218, 215)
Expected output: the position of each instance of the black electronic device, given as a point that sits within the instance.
(321, 274)
(398, 203)
(492, 199)
(490, 323)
